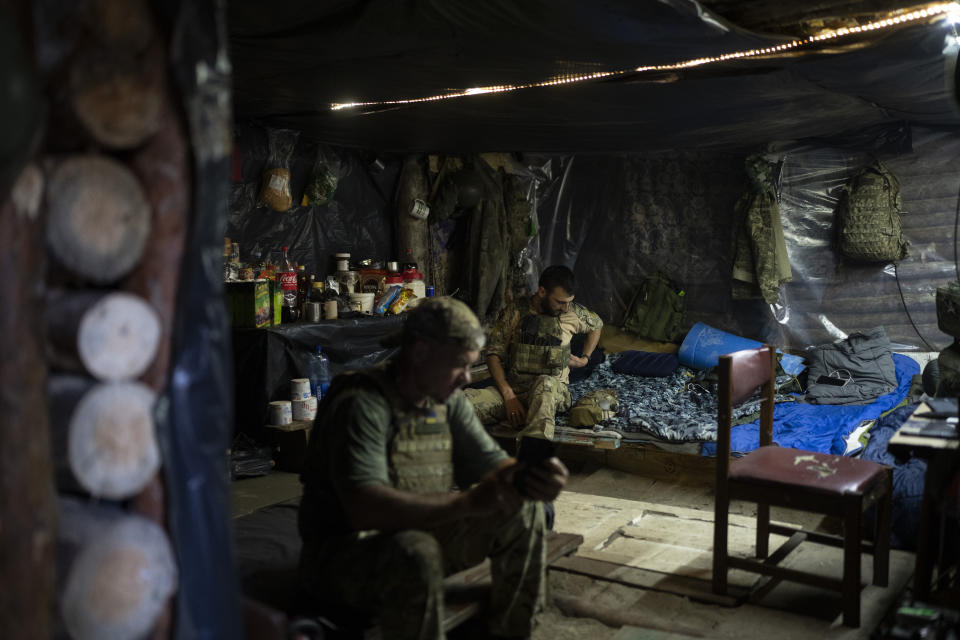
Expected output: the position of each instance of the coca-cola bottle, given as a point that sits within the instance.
(288, 289)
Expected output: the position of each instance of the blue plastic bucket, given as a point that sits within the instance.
(704, 345)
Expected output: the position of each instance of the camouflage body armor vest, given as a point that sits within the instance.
(421, 451)
(540, 349)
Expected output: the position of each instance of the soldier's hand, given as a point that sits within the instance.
(576, 361)
(516, 412)
(495, 493)
(546, 480)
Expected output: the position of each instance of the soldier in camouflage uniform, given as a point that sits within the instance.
(380, 524)
(529, 356)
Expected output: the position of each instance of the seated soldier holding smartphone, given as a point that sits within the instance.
(380, 525)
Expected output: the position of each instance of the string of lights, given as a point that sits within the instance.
(948, 10)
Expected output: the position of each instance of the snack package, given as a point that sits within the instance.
(381, 306)
(400, 302)
(323, 178)
(275, 184)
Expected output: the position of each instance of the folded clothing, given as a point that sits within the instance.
(856, 370)
(646, 363)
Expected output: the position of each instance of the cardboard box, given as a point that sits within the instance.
(291, 443)
(248, 303)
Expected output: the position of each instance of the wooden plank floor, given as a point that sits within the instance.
(645, 566)
(466, 593)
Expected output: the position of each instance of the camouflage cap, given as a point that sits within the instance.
(443, 319)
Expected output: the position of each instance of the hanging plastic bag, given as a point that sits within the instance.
(323, 178)
(275, 185)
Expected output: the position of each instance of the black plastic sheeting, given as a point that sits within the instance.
(22, 108)
(616, 219)
(266, 360)
(293, 60)
(194, 420)
(358, 219)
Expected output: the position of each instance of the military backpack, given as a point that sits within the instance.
(595, 407)
(868, 217)
(657, 310)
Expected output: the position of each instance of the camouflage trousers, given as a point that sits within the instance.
(399, 576)
(543, 396)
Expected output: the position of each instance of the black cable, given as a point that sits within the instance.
(896, 274)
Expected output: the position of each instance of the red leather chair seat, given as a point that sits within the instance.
(821, 472)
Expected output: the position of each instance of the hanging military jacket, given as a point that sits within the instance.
(760, 261)
(540, 349)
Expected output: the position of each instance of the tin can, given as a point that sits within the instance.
(420, 209)
(430, 291)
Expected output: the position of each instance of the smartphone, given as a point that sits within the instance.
(531, 452)
(837, 382)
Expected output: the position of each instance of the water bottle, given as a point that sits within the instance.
(319, 373)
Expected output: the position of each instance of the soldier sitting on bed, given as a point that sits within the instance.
(529, 356)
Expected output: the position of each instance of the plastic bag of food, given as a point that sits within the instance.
(388, 297)
(323, 178)
(275, 184)
(401, 301)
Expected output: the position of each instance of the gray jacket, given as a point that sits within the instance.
(863, 361)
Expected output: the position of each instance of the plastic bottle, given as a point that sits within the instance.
(303, 288)
(319, 373)
(288, 289)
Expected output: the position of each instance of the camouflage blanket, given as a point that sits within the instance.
(672, 408)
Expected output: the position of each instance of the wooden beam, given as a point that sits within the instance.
(27, 498)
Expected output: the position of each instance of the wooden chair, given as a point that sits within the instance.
(815, 482)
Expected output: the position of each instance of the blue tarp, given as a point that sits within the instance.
(820, 428)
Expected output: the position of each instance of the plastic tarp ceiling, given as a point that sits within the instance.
(292, 60)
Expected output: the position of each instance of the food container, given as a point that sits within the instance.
(305, 409)
(342, 261)
(330, 310)
(281, 412)
(348, 281)
(299, 388)
(365, 300)
(372, 280)
(313, 312)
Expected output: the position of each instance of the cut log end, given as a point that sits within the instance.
(112, 447)
(120, 111)
(119, 580)
(118, 337)
(98, 218)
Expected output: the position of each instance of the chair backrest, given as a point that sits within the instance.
(740, 375)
